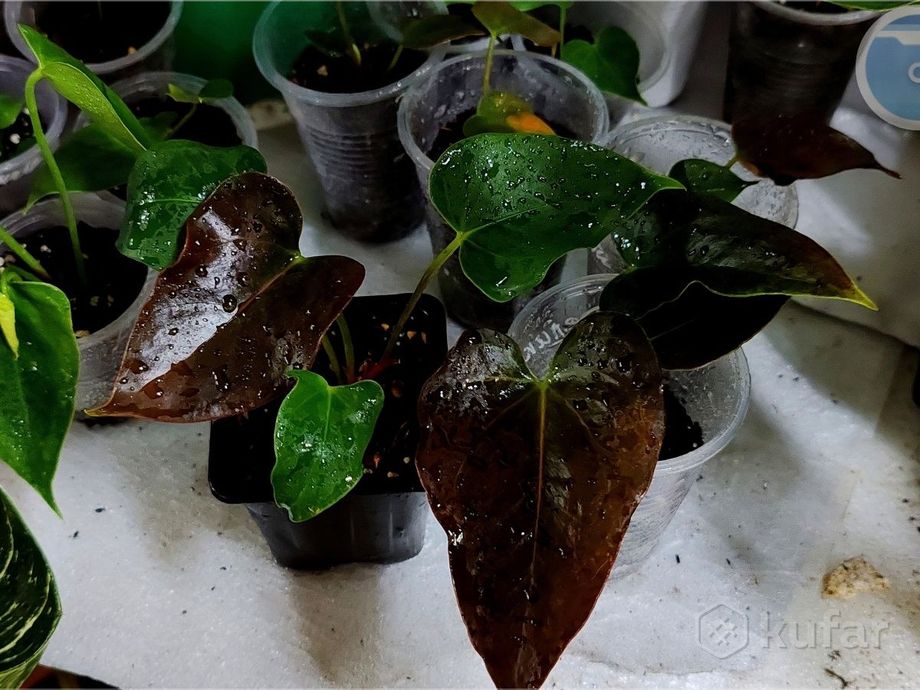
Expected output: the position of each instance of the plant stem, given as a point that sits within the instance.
(487, 74)
(348, 347)
(734, 159)
(22, 254)
(48, 157)
(396, 56)
(436, 263)
(562, 13)
(329, 349)
(182, 122)
(350, 44)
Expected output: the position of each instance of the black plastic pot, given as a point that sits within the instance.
(786, 60)
(383, 519)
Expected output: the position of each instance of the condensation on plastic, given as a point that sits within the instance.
(660, 142)
(155, 54)
(715, 396)
(100, 352)
(556, 91)
(16, 173)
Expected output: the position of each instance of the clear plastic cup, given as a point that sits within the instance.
(155, 54)
(156, 85)
(100, 352)
(558, 92)
(787, 60)
(16, 173)
(660, 142)
(370, 190)
(715, 396)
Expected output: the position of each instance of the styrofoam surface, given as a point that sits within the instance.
(167, 587)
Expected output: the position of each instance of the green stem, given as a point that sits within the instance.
(396, 56)
(436, 263)
(734, 159)
(562, 13)
(333, 359)
(22, 254)
(353, 50)
(348, 347)
(487, 74)
(48, 157)
(182, 122)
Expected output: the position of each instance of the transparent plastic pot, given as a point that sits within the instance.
(156, 85)
(369, 188)
(16, 173)
(715, 396)
(660, 142)
(157, 53)
(556, 91)
(787, 60)
(100, 352)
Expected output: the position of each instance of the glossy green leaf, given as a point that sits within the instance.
(499, 111)
(501, 18)
(518, 202)
(166, 184)
(75, 82)
(435, 29)
(215, 89)
(534, 480)
(529, 5)
(706, 177)
(10, 108)
(39, 385)
(29, 604)
(611, 62)
(8, 323)
(238, 310)
(786, 148)
(321, 434)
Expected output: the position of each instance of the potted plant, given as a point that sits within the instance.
(534, 475)
(115, 39)
(19, 156)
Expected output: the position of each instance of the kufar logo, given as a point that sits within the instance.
(888, 68)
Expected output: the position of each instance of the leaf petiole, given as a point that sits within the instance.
(182, 122)
(353, 51)
(333, 358)
(348, 348)
(21, 253)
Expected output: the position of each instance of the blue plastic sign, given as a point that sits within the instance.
(888, 68)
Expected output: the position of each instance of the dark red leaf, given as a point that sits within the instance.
(535, 480)
(238, 309)
(786, 148)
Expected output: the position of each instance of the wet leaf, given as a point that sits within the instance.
(502, 18)
(75, 82)
(519, 202)
(706, 177)
(29, 605)
(39, 382)
(8, 323)
(786, 148)
(611, 62)
(321, 434)
(435, 29)
(688, 325)
(498, 111)
(165, 185)
(535, 480)
(10, 108)
(235, 313)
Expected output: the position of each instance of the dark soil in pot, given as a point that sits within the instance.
(681, 434)
(383, 518)
(316, 70)
(17, 138)
(114, 281)
(208, 125)
(97, 32)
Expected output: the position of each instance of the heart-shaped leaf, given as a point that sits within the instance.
(518, 202)
(10, 108)
(29, 605)
(535, 480)
(502, 18)
(706, 177)
(165, 185)
(786, 148)
(39, 380)
(427, 32)
(235, 313)
(499, 111)
(611, 62)
(75, 82)
(321, 434)
(688, 325)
